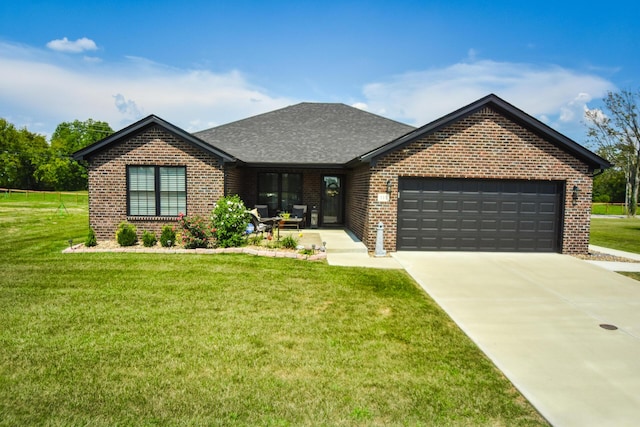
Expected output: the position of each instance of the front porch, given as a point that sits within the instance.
(322, 191)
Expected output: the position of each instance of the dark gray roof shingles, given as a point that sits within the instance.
(305, 133)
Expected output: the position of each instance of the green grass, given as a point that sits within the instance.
(616, 233)
(608, 209)
(144, 339)
(633, 274)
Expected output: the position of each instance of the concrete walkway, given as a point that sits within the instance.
(345, 249)
(615, 265)
(538, 317)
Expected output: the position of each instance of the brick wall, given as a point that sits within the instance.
(482, 145)
(153, 146)
(357, 203)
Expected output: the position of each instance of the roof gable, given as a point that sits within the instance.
(305, 134)
(509, 111)
(139, 127)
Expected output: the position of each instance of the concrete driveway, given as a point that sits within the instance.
(538, 317)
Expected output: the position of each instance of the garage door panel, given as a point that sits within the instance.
(430, 205)
(549, 226)
(547, 207)
(409, 204)
(482, 215)
(450, 206)
(490, 206)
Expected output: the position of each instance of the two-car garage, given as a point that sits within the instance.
(479, 215)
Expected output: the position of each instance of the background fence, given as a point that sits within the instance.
(608, 209)
(78, 196)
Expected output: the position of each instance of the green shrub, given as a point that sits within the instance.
(230, 219)
(149, 239)
(168, 236)
(91, 238)
(126, 234)
(256, 239)
(196, 232)
(289, 242)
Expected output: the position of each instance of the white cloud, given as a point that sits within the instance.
(36, 88)
(127, 107)
(44, 90)
(66, 45)
(550, 93)
(594, 115)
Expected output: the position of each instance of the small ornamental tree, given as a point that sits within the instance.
(230, 219)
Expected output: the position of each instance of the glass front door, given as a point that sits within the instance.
(332, 200)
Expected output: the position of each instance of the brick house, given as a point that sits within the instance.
(487, 177)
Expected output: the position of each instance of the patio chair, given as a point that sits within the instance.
(261, 214)
(300, 211)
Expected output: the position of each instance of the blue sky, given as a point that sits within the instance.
(199, 64)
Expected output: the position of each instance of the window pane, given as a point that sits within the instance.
(142, 196)
(268, 190)
(173, 194)
(291, 191)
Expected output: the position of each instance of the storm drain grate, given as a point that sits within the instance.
(608, 327)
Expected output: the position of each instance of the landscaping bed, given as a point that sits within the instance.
(599, 256)
(309, 248)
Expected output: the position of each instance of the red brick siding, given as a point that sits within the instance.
(483, 145)
(234, 180)
(153, 146)
(357, 203)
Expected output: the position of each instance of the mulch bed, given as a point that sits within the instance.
(112, 246)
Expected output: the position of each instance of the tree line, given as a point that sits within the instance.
(29, 162)
(615, 130)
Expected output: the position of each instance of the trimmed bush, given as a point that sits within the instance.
(126, 234)
(91, 239)
(196, 232)
(230, 219)
(168, 236)
(149, 239)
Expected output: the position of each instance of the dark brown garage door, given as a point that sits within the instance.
(479, 215)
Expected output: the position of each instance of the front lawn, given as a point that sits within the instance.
(142, 339)
(616, 233)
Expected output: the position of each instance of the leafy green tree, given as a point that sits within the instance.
(616, 130)
(21, 153)
(61, 171)
(609, 186)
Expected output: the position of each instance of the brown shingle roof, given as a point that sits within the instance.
(305, 134)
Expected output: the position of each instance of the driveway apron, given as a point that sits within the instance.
(538, 317)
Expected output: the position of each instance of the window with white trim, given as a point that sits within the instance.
(156, 190)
